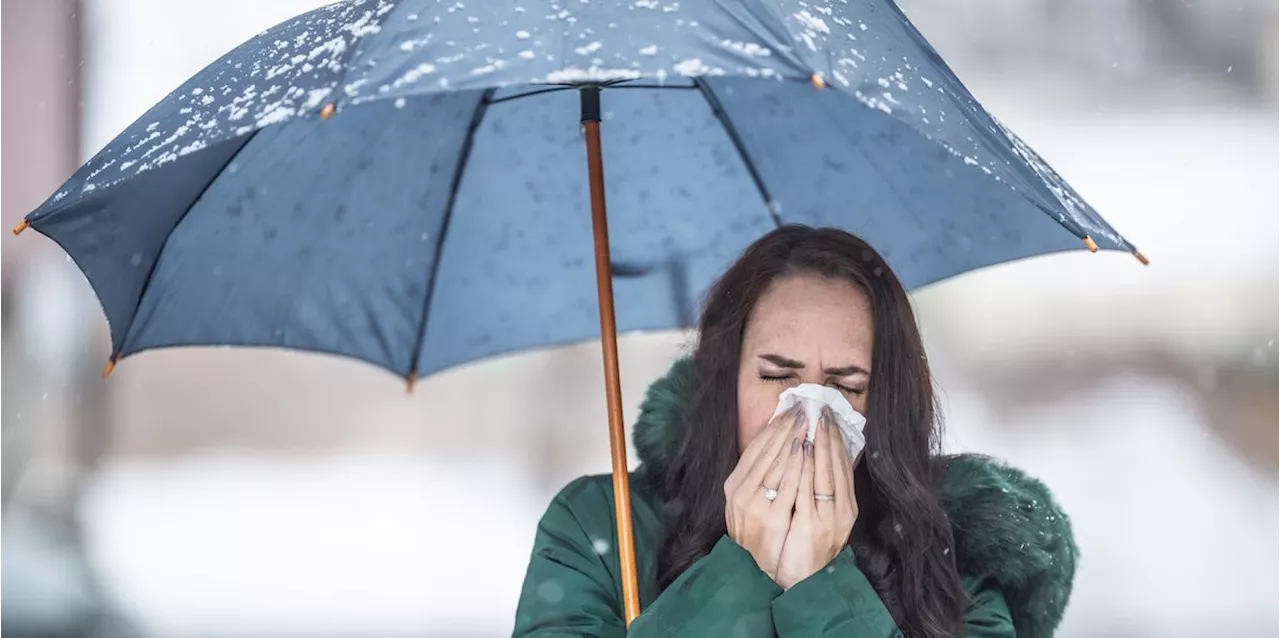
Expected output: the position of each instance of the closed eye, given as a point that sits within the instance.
(776, 378)
(848, 390)
(786, 378)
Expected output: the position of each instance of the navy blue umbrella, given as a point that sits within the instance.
(402, 183)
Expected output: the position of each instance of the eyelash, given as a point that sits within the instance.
(785, 378)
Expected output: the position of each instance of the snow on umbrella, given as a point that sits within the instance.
(401, 182)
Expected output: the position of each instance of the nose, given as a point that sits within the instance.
(812, 376)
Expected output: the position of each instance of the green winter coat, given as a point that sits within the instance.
(1014, 550)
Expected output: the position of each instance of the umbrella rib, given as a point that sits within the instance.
(717, 109)
(508, 98)
(574, 87)
(660, 87)
(464, 156)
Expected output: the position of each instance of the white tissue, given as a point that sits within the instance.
(813, 398)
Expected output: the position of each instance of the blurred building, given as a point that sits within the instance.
(51, 586)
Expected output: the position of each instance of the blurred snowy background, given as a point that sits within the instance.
(248, 493)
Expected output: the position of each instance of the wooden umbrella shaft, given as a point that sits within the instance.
(609, 346)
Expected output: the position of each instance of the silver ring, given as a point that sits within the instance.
(770, 493)
(824, 497)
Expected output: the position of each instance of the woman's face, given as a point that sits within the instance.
(804, 329)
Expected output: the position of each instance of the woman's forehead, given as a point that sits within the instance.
(809, 316)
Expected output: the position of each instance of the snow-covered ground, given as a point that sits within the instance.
(1178, 537)
(241, 544)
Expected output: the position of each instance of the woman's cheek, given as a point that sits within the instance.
(754, 413)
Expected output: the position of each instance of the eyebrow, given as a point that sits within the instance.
(784, 362)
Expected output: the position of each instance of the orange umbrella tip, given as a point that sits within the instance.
(111, 366)
(410, 380)
(1090, 244)
(22, 225)
(1142, 258)
(818, 82)
(327, 111)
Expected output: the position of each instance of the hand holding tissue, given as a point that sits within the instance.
(812, 398)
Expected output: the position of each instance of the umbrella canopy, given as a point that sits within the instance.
(402, 183)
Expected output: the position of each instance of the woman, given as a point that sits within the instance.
(744, 529)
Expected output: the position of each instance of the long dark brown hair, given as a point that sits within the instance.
(902, 538)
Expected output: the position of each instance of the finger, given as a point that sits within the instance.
(789, 483)
(804, 492)
(777, 472)
(823, 479)
(778, 440)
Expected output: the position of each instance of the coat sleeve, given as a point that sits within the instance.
(570, 591)
(839, 602)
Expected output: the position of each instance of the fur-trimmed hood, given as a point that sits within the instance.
(1006, 525)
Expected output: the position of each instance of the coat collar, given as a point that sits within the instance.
(1006, 525)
